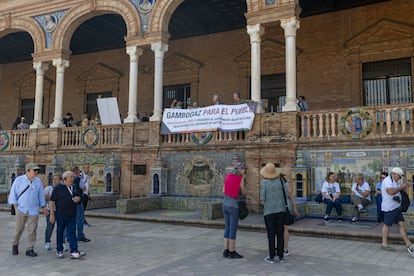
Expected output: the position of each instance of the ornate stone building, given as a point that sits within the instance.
(353, 61)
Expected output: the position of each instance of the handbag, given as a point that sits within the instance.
(243, 210)
(289, 219)
(12, 210)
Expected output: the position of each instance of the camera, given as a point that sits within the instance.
(397, 198)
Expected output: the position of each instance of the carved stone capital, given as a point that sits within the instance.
(134, 53)
(60, 64)
(255, 32)
(159, 49)
(40, 67)
(290, 25)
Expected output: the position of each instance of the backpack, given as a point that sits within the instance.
(405, 201)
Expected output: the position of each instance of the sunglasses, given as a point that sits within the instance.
(36, 170)
(382, 177)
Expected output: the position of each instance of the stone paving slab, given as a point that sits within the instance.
(127, 247)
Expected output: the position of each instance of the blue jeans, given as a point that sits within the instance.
(68, 223)
(330, 204)
(231, 222)
(80, 220)
(49, 229)
(380, 214)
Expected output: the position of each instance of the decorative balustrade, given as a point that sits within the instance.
(211, 137)
(106, 136)
(19, 139)
(362, 122)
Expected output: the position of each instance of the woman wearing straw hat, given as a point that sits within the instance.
(233, 185)
(271, 193)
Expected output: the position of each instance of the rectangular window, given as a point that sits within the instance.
(180, 92)
(91, 104)
(27, 110)
(274, 91)
(140, 169)
(387, 82)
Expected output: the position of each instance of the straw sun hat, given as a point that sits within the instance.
(270, 171)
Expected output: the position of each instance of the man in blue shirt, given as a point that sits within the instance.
(27, 196)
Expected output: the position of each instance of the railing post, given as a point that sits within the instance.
(403, 122)
(333, 124)
(388, 122)
(321, 126)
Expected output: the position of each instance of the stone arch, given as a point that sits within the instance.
(163, 10)
(78, 15)
(11, 25)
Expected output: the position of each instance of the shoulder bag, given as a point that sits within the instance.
(12, 210)
(289, 219)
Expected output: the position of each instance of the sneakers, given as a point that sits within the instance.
(59, 254)
(286, 252)
(226, 253)
(31, 253)
(411, 250)
(340, 219)
(354, 220)
(361, 210)
(326, 219)
(281, 260)
(65, 248)
(234, 255)
(269, 260)
(47, 246)
(77, 254)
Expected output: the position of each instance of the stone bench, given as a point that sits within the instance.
(206, 208)
(315, 209)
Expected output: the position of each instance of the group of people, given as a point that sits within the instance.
(388, 201)
(176, 104)
(63, 203)
(274, 192)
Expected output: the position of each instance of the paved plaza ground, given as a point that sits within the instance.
(127, 247)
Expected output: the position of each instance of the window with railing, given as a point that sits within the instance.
(180, 92)
(387, 82)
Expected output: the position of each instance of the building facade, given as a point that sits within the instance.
(354, 65)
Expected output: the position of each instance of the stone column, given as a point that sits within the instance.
(290, 25)
(255, 32)
(40, 68)
(159, 49)
(60, 65)
(134, 53)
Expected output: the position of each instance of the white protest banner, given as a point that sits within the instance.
(108, 111)
(210, 118)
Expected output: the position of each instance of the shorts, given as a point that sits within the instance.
(394, 216)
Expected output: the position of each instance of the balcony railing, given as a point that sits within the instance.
(379, 122)
(382, 121)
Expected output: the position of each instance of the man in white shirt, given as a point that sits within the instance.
(391, 202)
(360, 197)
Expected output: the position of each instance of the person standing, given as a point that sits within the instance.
(391, 203)
(64, 200)
(80, 213)
(27, 196)
(85, 179)
(378, 197)
(293, 210)
(48, 192)
(331, 193)
(360, 197)
(234, 185)
(274, 209)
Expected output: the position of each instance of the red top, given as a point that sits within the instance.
(232, 185)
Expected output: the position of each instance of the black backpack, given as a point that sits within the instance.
(405, 201)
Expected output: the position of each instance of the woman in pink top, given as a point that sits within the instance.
(233, 186)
